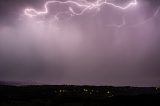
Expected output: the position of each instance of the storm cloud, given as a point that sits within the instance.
(105, 47)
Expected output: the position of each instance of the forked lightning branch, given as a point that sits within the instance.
(83, 6)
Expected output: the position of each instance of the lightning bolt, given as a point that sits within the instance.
(83, 5)
(155, 14)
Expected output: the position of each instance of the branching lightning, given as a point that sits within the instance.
(155, 14)
(84, 6)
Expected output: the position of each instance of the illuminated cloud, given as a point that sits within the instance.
(118, 45)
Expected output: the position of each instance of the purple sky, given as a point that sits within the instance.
(82, 50)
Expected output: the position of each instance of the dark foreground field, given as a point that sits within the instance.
(77, 96)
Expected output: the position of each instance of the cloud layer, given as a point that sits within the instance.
(109, 47)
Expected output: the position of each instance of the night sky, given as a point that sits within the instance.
(108, 46)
